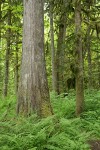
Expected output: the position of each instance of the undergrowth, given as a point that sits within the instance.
(63, 131)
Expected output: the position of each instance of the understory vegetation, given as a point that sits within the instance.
(63, 131)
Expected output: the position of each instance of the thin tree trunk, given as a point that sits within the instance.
(33, 92)
(88, 46)
(16, 66)
(79, 60)
(0, 46)
(54, 77)
(89, 59)
(98, 72)
(60, 54)
(0, 20)
(7, 53)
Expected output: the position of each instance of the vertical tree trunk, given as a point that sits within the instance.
(0, 46)
(0, 20)
(99, 74)
(88, 46)
(16, 66)
(60, 53)
(7, 53)
(98, 70)
(79, 60)
(89, 59)
(54, 79)
(33, 93)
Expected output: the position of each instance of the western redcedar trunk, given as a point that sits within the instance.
(33, 93)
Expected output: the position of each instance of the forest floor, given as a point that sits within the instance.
(94, 144)
(63, 131)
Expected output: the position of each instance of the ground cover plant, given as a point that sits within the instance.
(62, 131)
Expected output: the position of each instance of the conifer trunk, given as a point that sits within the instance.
(54, 77)
(88, 45)
(16, 66)
(33, 92)
(60, 54)
(6, 78)
(79, 60)
(0, 20)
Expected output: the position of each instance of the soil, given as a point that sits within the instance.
(94, 144)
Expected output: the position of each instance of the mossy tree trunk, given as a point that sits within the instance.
(88, 45)
(54, 77)
(16, 65)
(0, 45)
(33, 92)
(7, 56)
(79, 60)
(0, 19)
(60, 54)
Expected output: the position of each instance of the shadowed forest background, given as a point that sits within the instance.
(49, 75)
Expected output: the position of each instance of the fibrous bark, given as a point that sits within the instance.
(33, 93)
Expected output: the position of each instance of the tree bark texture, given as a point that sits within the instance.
(0, 46)
(33, 93)
(98, 70)
(99, 74)
(79, 60)
(88, 46)
(89, 59)
(6, 78)
(16, 65)
(54, 77)
(0, 20)
(60, 54)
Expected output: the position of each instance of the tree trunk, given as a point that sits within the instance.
(79, 60)
(7, 53)
(60, 54)
(33, 93)
(98, 69)
(54, 77)
(88, 45)
(0, 47)
(89, 59)
(0, 20)
(98, 73)
(16, 66)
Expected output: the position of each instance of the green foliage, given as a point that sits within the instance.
(60, 132)
(44, 134)
(67, 104)
(7, 107)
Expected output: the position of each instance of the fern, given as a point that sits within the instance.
(60, 132)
